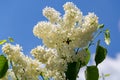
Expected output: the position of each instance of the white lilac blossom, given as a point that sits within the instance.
(51, 14)
(23, 67)
(73, 30)
(72, 15)
(54, 63)
(61, 36)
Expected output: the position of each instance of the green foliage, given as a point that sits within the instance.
(3, 66)
(100, 55)
(73, 68)
(3, 41)
(72, 71)
(11, 39)
(104, 76)
(3, 60)
(107, 36)
(87, 58)
(100, 26)
(92, 73)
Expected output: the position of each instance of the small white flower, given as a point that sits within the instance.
(51, 14)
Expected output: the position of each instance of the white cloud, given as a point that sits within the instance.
(81, 74)
(109, 66)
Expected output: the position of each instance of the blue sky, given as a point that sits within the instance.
(18, 17)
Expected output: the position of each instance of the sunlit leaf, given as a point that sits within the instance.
(3, 66)
(103, 76)
(100, 26)
(100, 55)
(106, 75)
(92, 73)
(87, 58)
(3, 41)
(11, 39)
(107, 37)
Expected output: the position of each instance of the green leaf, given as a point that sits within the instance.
(72, 70)
(3, 41)
(104, 75)
(100, 26)
(11, 39)
(92, 73)
(107, 37)
(100, 55)
(87, 58)
(3, 66)
(107, 75)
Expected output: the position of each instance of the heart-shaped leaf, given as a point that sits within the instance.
(3, 66)
(92, 73)
(100, 55)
